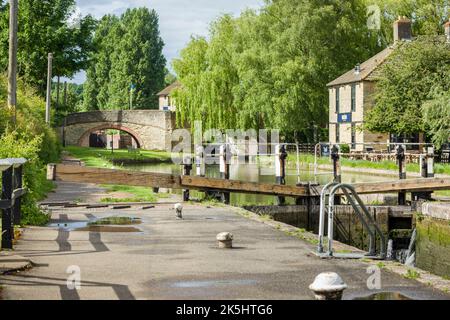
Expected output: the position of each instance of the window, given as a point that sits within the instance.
(353, 97)
(337, 100)
(353, 136)
(337, 133)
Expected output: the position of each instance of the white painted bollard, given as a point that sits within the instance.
(430, 162)
(199, 161)
(328, 286)
(225, 240)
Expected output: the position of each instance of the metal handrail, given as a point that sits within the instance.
(363, 216)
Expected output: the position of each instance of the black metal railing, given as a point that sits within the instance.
(10, 201)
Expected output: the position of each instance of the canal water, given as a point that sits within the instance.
(260, 173)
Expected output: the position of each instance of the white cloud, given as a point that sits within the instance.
(178, 19)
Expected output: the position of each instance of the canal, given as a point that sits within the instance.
(259, 173)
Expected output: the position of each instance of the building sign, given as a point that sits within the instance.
(344, 117)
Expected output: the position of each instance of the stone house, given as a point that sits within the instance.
(351, 96)
(166, 103)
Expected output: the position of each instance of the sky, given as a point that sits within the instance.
(178, 19)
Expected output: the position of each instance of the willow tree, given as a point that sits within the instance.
(270, 69)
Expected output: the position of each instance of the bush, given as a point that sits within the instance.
(345, 148)
(33, 139)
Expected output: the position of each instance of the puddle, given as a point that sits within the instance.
(212, 283)
(384, 296)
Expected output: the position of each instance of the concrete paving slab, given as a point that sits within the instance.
(180, 259)
(10, 262)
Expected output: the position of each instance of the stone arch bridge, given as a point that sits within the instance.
(151, 129)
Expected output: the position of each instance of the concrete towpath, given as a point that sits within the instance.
(170, 258)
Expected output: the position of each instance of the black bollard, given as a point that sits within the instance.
(336, 170)
(401, 173)
(280, 170)
(7, 222)
(186, 171)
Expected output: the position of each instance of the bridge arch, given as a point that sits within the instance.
(84, 139)
(151, 129)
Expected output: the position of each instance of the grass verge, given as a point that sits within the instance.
(139, 194)
(103, 158)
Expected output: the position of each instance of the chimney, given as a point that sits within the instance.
(358, 69)
(402, 29)
(447, 29)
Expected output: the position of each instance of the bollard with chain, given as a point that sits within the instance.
(401, 172)
(224, 166)
(280, 169)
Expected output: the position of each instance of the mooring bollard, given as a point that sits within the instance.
(328, 286)
(401, 172)
(225, 169)
(7, 219)
(186, 168)
(280, 169)
(225, 240)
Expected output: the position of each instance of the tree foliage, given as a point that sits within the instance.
(128, 52)
(415, 73)
(47, 26)
(270, 69)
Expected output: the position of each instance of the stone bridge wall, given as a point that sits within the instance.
(151, 128)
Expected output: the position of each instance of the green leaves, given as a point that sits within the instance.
(128, 50)
(415, 73)
(271, 69)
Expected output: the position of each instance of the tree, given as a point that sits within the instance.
(129, 54)
(44, 27)
(415, 72)
(436, 113)
(271, 69)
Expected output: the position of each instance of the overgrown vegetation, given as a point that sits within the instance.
(32, 139)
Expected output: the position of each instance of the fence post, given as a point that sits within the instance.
(7, 222)
(280, 169)
(430, 162)
(401, 173)
(17, 211)
(199, 161)
(186, 168)
(335, 157)
(225, 169)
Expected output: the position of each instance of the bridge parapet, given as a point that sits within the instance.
(152, 129)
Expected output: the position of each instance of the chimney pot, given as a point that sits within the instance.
(402, 29)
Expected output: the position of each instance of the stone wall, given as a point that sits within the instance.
(151, 128)
(433, 238)
(347, 226)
